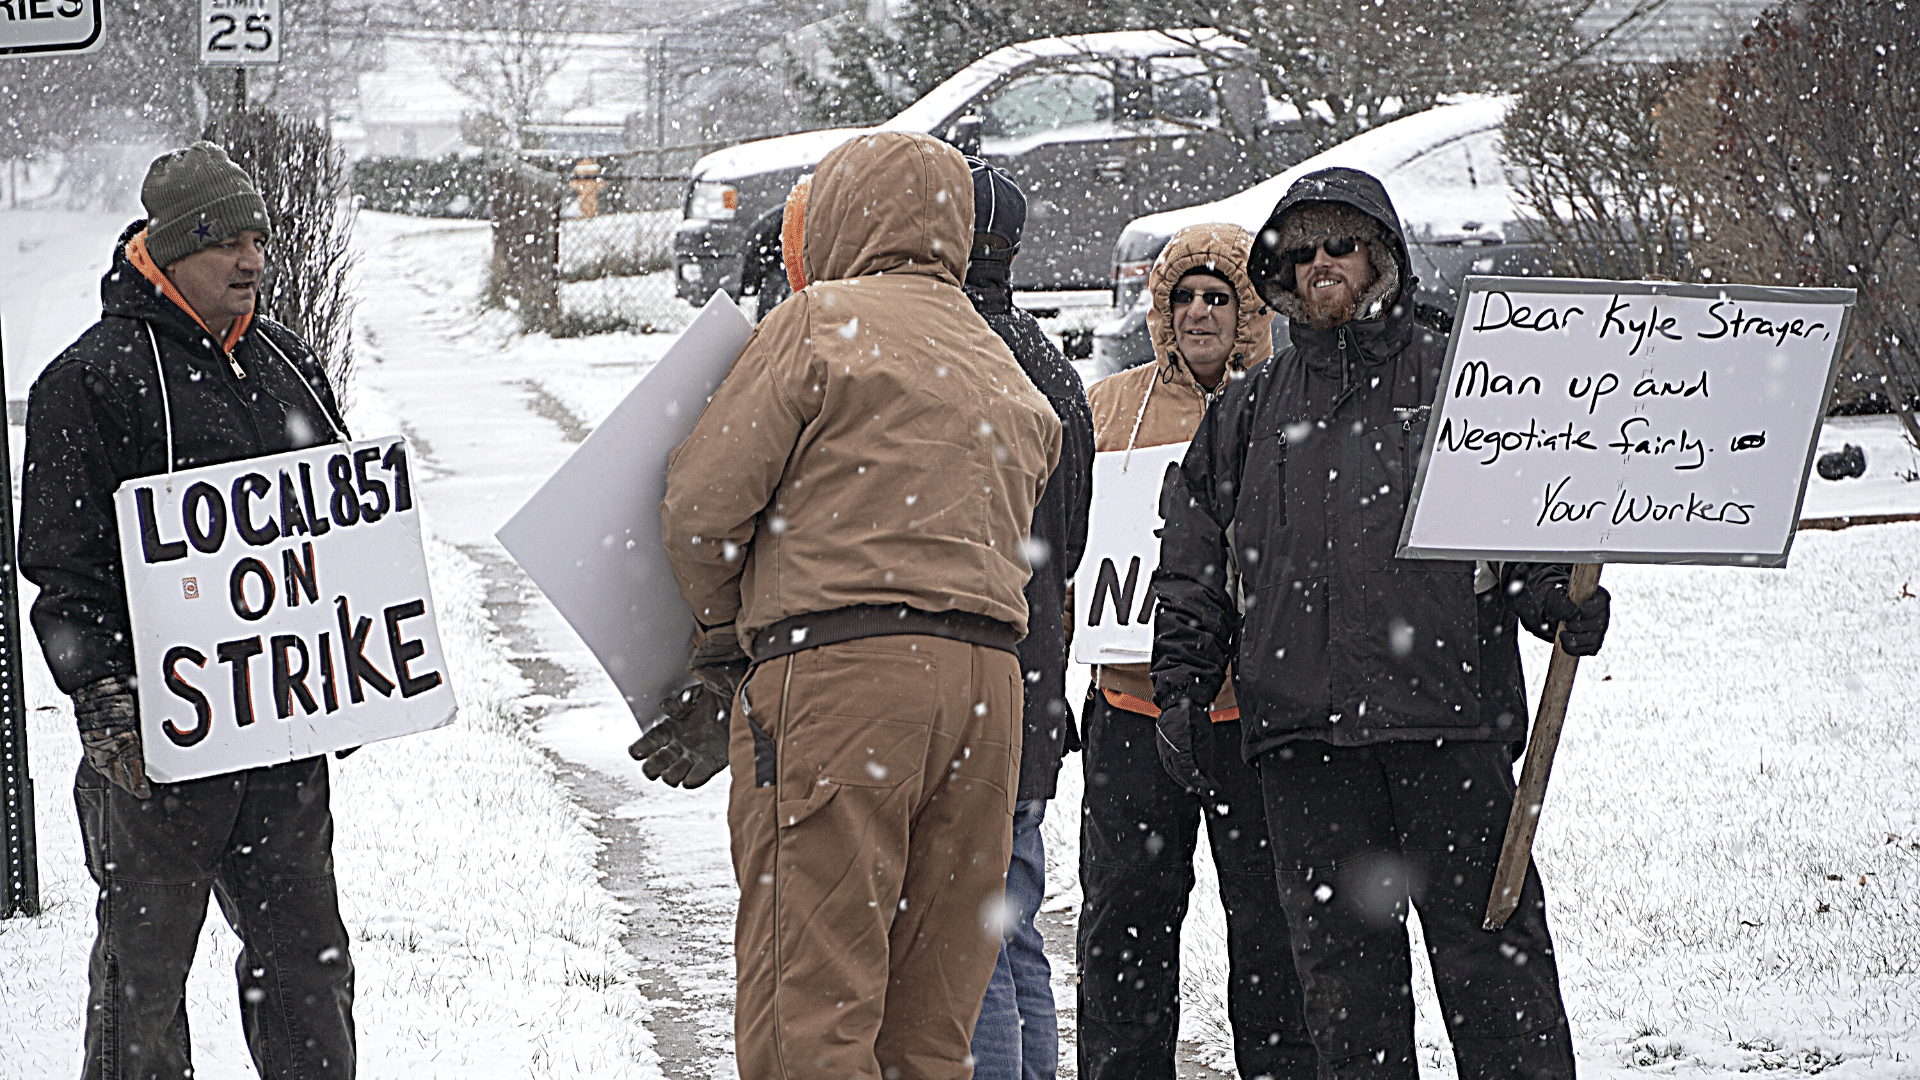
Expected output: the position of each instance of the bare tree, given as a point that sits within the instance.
(1585, 150)
(503, 53)
(1346, 67)
(1814, 173)
(302, 177)
(1793, 161)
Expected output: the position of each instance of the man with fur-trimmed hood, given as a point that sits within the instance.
(1381, 698)
(1137, 826)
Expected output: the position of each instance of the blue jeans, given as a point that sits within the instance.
(1017, 1036)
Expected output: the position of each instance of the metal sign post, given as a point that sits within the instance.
(239, 34)
(20, 887)
(28, 30)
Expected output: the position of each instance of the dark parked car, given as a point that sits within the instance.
(1448, 179)
(1096, 129)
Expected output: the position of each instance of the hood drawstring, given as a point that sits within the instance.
(166, 403)
(166, 407)
(1139, 416)
(339, 435)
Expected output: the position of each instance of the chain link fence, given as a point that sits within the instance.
(615, 265)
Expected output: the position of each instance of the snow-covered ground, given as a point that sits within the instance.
(1731, 843)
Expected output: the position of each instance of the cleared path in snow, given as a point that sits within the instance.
(487, 433)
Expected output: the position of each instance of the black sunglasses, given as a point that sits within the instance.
(1183, 297)
(1337, 247)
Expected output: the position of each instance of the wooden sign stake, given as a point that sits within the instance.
(1517, 852)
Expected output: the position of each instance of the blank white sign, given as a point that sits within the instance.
(1605, 421)
(590, 537)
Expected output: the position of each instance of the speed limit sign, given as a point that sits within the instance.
(239, 32)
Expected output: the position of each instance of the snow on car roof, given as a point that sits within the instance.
(940, 103)
(767, 155)
(1379, 152)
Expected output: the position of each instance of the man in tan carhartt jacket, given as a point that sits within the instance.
(1137, 826)
(853, 505)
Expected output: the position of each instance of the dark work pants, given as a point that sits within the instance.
(260, 840)
(1357, 831)
(1137, 835)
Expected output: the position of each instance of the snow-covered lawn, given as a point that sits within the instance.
(1729, 845)
(483, 943)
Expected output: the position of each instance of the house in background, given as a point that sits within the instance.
(408, 106)
(1676, 30)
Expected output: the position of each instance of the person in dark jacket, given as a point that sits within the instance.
(1017, 1036)
(1381, 698)
(181, 372)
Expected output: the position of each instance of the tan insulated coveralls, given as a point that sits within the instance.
(874, 444)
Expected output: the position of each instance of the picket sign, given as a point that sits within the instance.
(590, 537)
(302, 576)
(1622, 421)
(1618, 421)
(1113, 597)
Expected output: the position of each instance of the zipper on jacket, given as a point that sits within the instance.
(234, 363)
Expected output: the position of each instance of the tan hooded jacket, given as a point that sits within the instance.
(875, 442)
(1160, 403)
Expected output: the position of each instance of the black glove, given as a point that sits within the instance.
(718, 661)
(689, 747)
(109, 719)
(1586, 624)
(1173, 737)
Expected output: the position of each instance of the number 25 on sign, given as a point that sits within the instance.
(239, 32)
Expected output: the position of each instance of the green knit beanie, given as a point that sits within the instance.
(195, 197)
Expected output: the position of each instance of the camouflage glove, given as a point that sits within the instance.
(109, 719)
(689, 747)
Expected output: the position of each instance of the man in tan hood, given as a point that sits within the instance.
(852, 509)
(1137, 826)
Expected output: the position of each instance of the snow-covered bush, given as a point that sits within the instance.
(302, 176)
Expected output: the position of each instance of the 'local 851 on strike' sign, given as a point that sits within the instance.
(280, 609)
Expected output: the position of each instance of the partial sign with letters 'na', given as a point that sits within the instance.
(280, 609)
(1113, 598)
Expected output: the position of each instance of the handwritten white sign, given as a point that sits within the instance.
(1113, 596)
(303, 576)
(1602, 421)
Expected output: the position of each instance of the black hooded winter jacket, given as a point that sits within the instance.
(95, 420)
(1309, 462)
(1059, 524)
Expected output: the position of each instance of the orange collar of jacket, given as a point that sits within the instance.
(143, 262)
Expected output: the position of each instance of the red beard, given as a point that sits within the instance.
(1328, 308)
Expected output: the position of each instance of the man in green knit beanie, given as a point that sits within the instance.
(181, 372)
